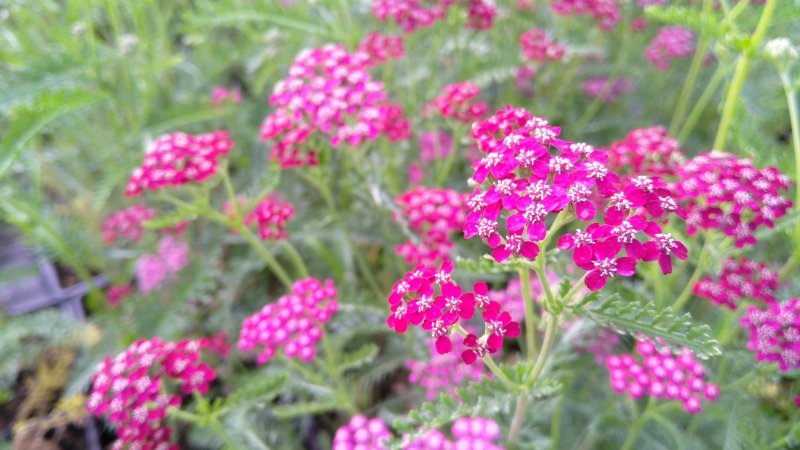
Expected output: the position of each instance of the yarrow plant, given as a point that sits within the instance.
(604, 12)
(670, 43)
(132, 390)
(443, 373)
(537, 46)
(657, 371)
(458, 101)
(434, 214)
(740, 279)
(154, 270)
(646, 151)
(469, 433)
(270, 216)
(606, 89)
(294, 323)
(178, 159)
(127, 223)
(775, 333)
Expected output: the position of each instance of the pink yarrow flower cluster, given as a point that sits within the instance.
(604, 12)
(605, 89)
(411, 14)
(443, 373)
(222, 94)
(521, 176)
(670, 43)
(429, 298)
(295, 323)
(720, 191)
(661, 373)
(381, 47)
(270, 216)
(153, 270)
(127, 223)
(362, 433)
(469, 433)
(117, 293)
(329, 91)
(131, 390)
(178, 159)
(537, 46)
(646, 151)
(775, 333)
(480, 14)
(740, 279)
(434, 214)
(458, 101)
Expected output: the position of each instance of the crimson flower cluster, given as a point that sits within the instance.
(537, 46)
(295, 322)
(329, 91)
(362, 433)
(381, 48)
(131, 392)
(117, 293)
(433, 214)
(476, 433)
(670, 43)
(646, 151)
(740, 278)
(775, 333)
(458, 101)
(414, 300)
(413, 14)
(604, 12)
(177, 159)
(127, 223)
(443, 373)
(605, 89)
(661, 373)
(271, 216)
(720, 191)
(480, 14)
(520, 176)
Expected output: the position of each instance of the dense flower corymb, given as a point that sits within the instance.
(131, 391)
(670, 43)
(646, 151)
(381, 48)
(294, 323)
(153, 270)
(411, 14)
(661, 373)
(458, 101)
(720, 191)
(329, 91)
(537, 46)
(775, 333)
(271, 216)
(739, 279)
(362, 433)
(128, 223)
(476, 433)
(177, 159)
(606, 89)
(604, 12)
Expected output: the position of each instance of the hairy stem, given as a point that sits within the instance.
(530, 326)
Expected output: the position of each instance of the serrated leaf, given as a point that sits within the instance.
(633, 316)
(261, 390)
(27, 120)
(360, 357)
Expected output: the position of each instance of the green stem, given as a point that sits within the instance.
(686, 294)
(518, 419)
(739, 77)
(530, 326)
(794, 120)
(701, 104)
(258, 246)
(490, 364)
(636, 428)
(551, 321)
(297, 259)
(691, 78)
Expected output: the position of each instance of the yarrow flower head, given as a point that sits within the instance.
(271, 216)
(530, 175)
(434, 145)
(468, 433)
(127, 223)
(443, 373)
(429, 298)
(658, 371)
(605, 89)
(775, 333)
(295, 323)
(131, 391)
(411, 14)
(646, 151)
(434, 214)
(153, 270)
(458, 101)
(117, 293)
(480, 14)
(381, 48)
(329, 91)
(670, 43)
(537, 46)
(362, 433)
(178, 159)
(719, 191)
(740, 279)
(604, 12)
(222, 94)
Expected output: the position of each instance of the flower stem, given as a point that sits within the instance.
(686, 294)
(636, 428)
(297, 259)
(530, 326)
(551, 321)
(258, 246)
(739, 77)
(701, 104)
(519, 417)
(794, 120)
(691, 77)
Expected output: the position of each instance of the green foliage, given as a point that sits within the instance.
(627, 312)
